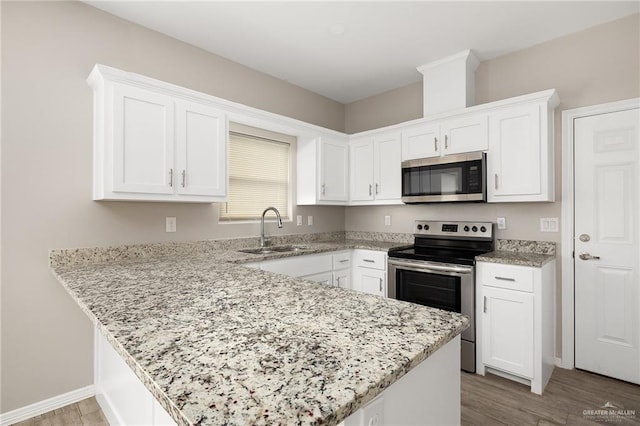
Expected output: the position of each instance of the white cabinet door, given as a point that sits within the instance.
(202, 150)
(421, 142)
(372, 281)
(507, 331)
(515, 158)
(325, 278)
(362, 170)
(342, 278)
(465, 134)
(388, 173)
(334, 171)
(143, 141)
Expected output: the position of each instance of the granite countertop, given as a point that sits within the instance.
(219, 343)
(521, 253)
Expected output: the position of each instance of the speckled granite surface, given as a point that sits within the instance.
(521, 252)
(219, 343)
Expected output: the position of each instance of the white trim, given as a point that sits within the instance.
(568, 315)
(47, 405)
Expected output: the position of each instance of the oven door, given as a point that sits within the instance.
(438, 285)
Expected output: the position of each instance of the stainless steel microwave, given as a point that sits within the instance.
(452, 178)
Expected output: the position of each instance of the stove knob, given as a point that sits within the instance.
(419, 227)
(483, 229)
(426, 227)
(466, 229)
(474, 228)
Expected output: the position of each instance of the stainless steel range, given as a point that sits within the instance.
(439, 271)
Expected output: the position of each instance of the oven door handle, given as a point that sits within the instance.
(421, 267)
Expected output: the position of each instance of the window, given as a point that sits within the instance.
(259, 176)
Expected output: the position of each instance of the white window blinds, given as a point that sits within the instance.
(258, 177)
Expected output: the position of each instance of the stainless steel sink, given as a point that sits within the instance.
(274, 249)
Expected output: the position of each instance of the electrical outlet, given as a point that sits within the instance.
(310, 220)
(549, 224)
(387, 221)
(171, 224)
(299, 220)
(502, 222)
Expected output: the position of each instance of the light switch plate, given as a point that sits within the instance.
(387, 221)
(310, 220)
(299, 220)
(171, 224)
(502, 222)
(549, 224)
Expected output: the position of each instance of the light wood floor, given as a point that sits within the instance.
(86, 412)
(488, 400)
(493, 400)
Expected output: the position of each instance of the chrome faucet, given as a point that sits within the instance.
(263, 240)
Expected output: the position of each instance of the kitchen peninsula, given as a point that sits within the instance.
(216, 342)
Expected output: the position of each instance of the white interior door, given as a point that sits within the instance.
(607, 289)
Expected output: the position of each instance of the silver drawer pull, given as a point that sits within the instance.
(484, 307)
(368, 260)
(344, 260)
(505, 279)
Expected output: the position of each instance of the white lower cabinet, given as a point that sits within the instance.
(123, 398)
(370, 272)
(326, 268)
(515, 318)
(507, 331)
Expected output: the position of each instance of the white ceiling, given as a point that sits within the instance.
(351, 50)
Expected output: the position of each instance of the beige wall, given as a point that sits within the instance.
(594, 66)
(48, 50)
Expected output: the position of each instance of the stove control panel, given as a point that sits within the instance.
(459, 229)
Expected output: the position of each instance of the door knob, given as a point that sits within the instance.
(587, 256)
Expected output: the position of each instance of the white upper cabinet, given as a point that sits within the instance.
(143, 142)
(334, 170)
(520, 163)
(362, 160)
(202, 150)
(322, 170)
(375, 169)
(155, 144)
(467, 133)
(420, 142)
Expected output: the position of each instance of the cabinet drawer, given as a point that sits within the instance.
(370, 259)
(342, 260)
(506, 276)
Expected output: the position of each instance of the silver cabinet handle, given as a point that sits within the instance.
(446, 141)
(377, 189)
(505, 279)
(495, 180)
(435, 143)
(322, 189)
(484, 304)
(171, 177)
(184, 177)
(370, 189)
(368, 260)
(380, 284)
(587, 256)
(344, 260)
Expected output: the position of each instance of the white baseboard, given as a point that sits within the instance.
(45, 406)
